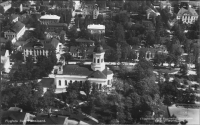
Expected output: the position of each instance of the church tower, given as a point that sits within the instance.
(98, 59)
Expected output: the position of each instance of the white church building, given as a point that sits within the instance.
(97, 73)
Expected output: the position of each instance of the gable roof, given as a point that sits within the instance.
(13, 115)
(47, 82)
(190, 11)
(13, 16)
(17, 26)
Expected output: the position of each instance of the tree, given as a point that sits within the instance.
(119, 33)
(67, 57)
(184, 70)
(150, 39)
(159, 58)
(9, 46)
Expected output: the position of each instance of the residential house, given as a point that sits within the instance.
(4, 6)
(47, 83)
(48, 19)
(37, 47)
(96, 28)
(152, 13)
(187, 16)
(16, 117)
(13, 18)
(97, 72)
(15, 32)
(5, 60)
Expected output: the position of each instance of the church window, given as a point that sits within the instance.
(65, 82)
(97, 60)
(59, 82)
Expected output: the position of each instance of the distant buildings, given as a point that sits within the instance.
(48, 19)
(15, 32)
(4, 6)
(37, 47)
(187, 16)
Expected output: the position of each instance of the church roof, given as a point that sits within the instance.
(98, 49)
(84, 70)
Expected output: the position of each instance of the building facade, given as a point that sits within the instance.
(36, 47)
(97, 72)
(187, 16)
(5, 60)
(15, 32)
(48, 19)
(93, 28)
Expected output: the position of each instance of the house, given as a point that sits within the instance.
(187, 16)
(4, 6)
(15, 32)
(97, 72)
(77, 53)
(13, 18)
(16, 117)
(5, 60)
(96, 28)
(47, 83)
(37, 47)
(47, 19)
(151, 13)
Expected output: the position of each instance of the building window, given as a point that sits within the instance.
(70, 81)
(59, 82)
(97, 60)
(65, 82)
(94, 60)
(100, 86)
(108, 82)
(101, 60)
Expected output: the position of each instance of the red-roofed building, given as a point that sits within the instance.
(97, 72)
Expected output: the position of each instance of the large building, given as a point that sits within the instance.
(37, 47)
(96, 28)
(187, 16)
(97, 72)
(4, 6)
(48, 19)
(15, 32)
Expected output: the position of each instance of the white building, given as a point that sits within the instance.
(36, 47)
(95, 11)
(15, 32)
(97, 72)
(5, 60)
(93, 28)
(4, 6)
(187, 16)
(47, 19)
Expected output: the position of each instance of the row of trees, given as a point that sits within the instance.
(32, 71)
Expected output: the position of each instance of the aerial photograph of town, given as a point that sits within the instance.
(89, 62)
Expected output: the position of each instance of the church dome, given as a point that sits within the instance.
(98, 49)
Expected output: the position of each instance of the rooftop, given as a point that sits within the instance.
(17, 26)
(47, 82)
(84, 40)
(50, 17)
(94, 26)
(190, 11)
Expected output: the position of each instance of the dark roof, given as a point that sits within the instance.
(20, 43)
(17, 26)
(98, 49)
(84, 70)
(97, 74)
(84, 40)
(57, 24)
(13, 16)
(47, 82)
(13, 115)
(45, 44)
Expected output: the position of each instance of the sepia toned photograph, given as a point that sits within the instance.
(98, 62)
